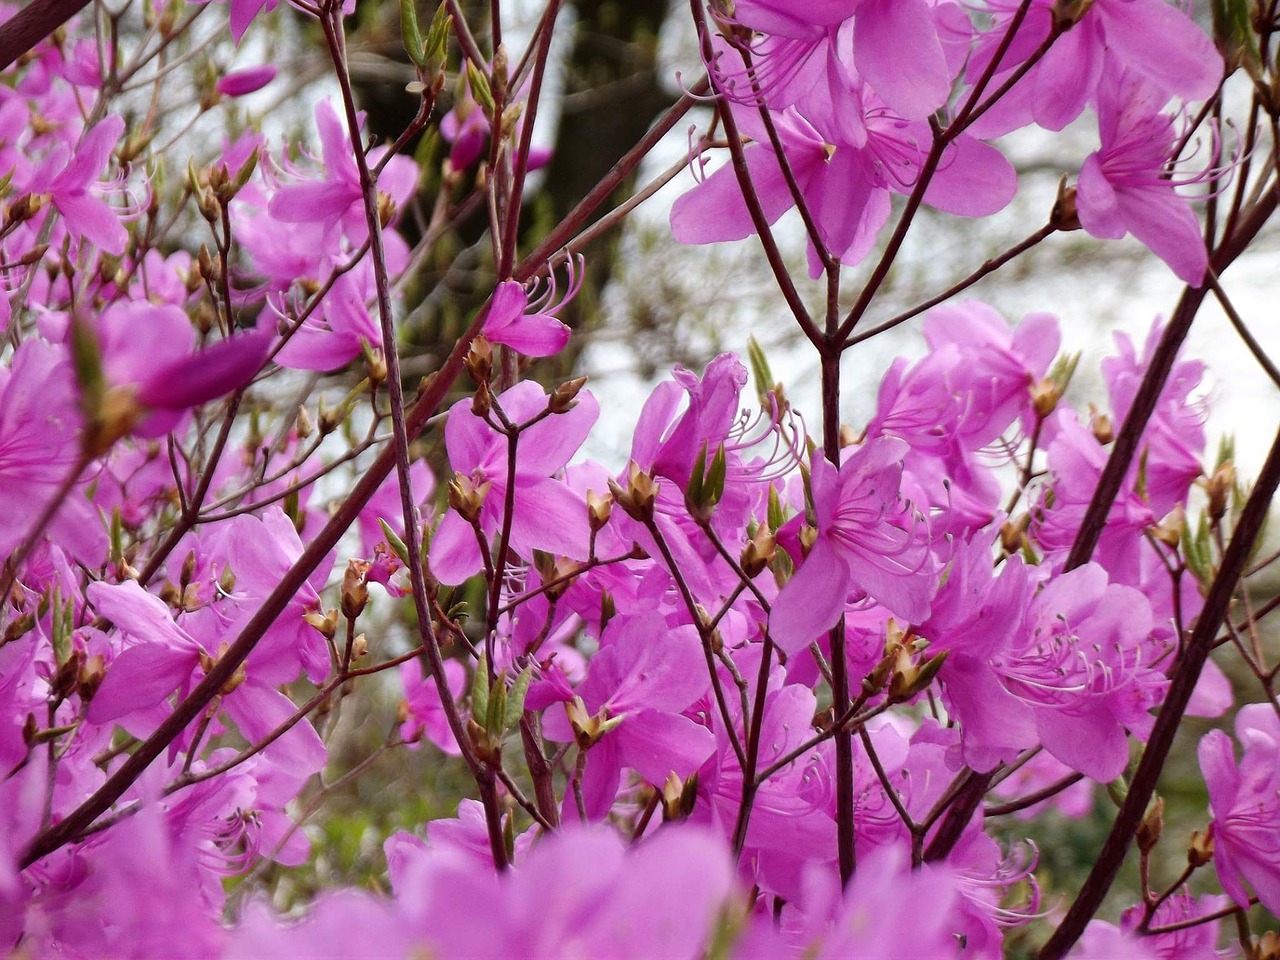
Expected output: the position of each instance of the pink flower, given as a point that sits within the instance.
(426, 716)
(68, 179)
(644, 676)
(868, 541)
(1123, 188)
(535, 333)
(548, 515)
(1245, 800)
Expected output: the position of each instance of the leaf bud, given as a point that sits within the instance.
(304, 426)
(479, 360)
(1064, 215)
(325, 622)
(678, 797)
(1104, 430)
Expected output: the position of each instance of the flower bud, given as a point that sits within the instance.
(759, 552)
(1219, 488)
(1200, 849)
(1013, 533)
(564, 397)
(1152, 826)
(639, 496)
(599, 509)
(466, 498)
(355, 592)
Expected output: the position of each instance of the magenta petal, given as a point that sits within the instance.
(1165, 44)
(87, 216)
(1164, 222)
(812, 601)
(897, 51)
(243, 82)
(226, 366)
(1096, 202)
(656, 744)
(549, 516)
(140, 677)
(974, 179)
(714, 210)
(455, 554)
(534, 335)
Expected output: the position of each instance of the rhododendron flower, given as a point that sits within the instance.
(548, 515)
(39, 446)
(338, 198)
(425, 713)
(1245, 800)
(1124, 188)
(912, 76)
(161, 658)
(846, 183)
(868, 541)
(645, 674)
(535, 333)
(68, 179)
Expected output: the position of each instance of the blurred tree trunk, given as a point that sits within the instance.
(612, 94)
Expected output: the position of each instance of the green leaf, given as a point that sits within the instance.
(760, 371)
(410, 33)
(515, 699)
(497, 709)
(480, 691)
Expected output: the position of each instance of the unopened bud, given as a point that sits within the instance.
(1067, 13)
(1169, 530)
(479, 360)
(638, 497)
(1064, 215)
(678, 797)
(1152, 826)
(1104, 430)
(599, 509)
(92, 672)
(1045, 396)
(26, 207)
(482, 400)
(325, 622)
(386, 209)
(466, 498)
(1219, 487)
(355, 592)
(759, 552)
(564, 397)
(1265, 947)
(304, 426)
(1013, 533)
(1200, 849)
